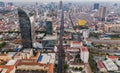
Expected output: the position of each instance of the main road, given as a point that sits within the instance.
(61, 51)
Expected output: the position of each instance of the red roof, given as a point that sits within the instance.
(8, 67)
(112, 57)
(84, 49)
(100, 64)
(75, 42)
(1, 21)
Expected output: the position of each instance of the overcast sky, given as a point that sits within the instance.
(55, 0)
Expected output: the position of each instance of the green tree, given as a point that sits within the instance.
(80, 69)
(76, 69)
(77, 56)
(3, 44)
(66, 66)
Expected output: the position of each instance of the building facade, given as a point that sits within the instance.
(25, 29)
(101, 13)
(112, 27)
(49, 26)
(96, 6)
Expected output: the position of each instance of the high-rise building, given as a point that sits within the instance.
(101, 13)
(10, 3)
(61, 4)
(96, 6)
(25, 28)
(32, 20)
(49, 26)
(2, 4)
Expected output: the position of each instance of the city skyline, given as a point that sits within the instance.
(59, 0)
(59, 36)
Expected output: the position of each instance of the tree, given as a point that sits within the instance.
(3, 44)
(56, 65)
(76, 69)
(105, 58)
(80, 69)
(108, 47)
(119, 58)
(77, 56)
(66, 66)
(65, 42)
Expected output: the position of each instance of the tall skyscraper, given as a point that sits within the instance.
(25, 28)
(49, 26)
(101, 13)
(32, 19)
(60, 5)
(96, 6)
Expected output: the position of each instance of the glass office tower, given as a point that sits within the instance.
(25, 28)
(49, 27)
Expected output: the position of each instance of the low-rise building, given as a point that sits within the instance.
(34, 66)
(7, 69)
(113, 58)
(112, 27)
(47, 58)
(110, 65)
(84, 54)
(76, 44)
(101, 66)
(5, 57)
(117, 62)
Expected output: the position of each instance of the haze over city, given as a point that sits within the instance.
(59, 0)
(59, 36)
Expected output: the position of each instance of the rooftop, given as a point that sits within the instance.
(6, 68)
(84, 49)
(11, 62)
(100, 64)
(112, 57)
(47, 58)
(48, 37)
(110, 65)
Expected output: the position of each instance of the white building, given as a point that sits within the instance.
(47, 58)
(85, 34)
(84, 54)
(75, 44)
(110, 65)
(38, 45)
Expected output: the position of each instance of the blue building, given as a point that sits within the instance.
(96, 6)
(2, 4)
(49, 27)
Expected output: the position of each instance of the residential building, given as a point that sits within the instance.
(101, 66)
(112, 27)
(102, 13)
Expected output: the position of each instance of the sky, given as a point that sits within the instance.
(56, 0)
